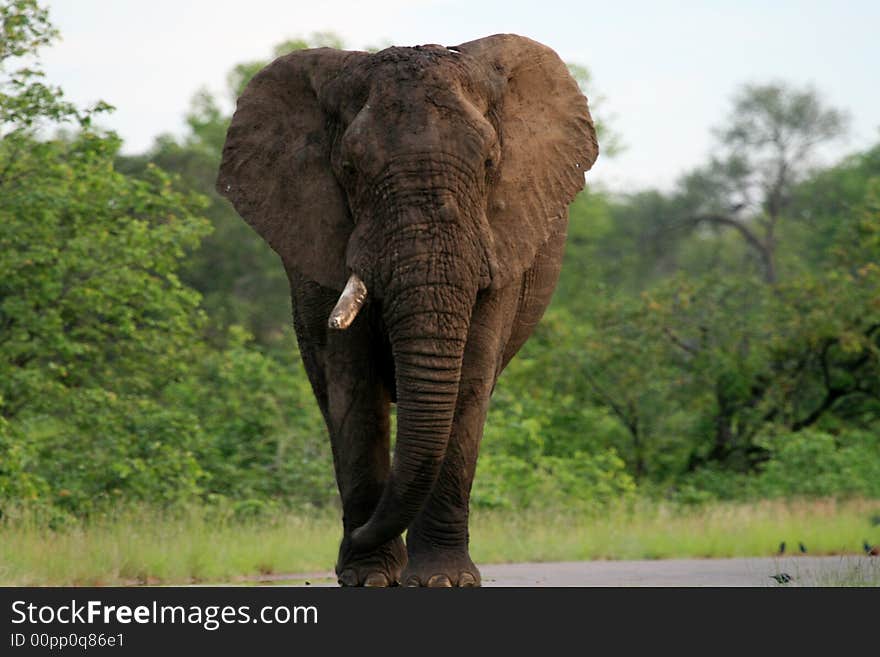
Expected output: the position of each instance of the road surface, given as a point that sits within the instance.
(802, 571)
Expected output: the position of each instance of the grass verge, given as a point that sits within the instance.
(147, 547)
(652, 531)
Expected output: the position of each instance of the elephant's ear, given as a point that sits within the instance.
(276, 165)
(548, 143)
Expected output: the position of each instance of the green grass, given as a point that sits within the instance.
(147, 547)
(651, 531)
(864, 573)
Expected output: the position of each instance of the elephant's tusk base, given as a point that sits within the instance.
(350, 302)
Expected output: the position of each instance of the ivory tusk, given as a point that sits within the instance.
(349, 304)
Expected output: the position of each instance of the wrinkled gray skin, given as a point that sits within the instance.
(441, 177)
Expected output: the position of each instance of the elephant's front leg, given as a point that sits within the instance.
(358, 406)
(437, 541)
(345, 370)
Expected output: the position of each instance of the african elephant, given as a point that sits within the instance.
(418, 199)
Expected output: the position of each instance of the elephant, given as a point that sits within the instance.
(418, 200)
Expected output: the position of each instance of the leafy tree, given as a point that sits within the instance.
(94, 321)
(241, 280)
(25, 100)
(819, 203)
(765, 149)
(261, 436)
(743, 360)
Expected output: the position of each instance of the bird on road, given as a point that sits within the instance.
(782, 578)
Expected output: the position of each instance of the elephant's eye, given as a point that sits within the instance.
(347, 167)
(489, 163)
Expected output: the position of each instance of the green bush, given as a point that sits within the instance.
(262, 436)
(16, 480)
(95, 324)
(588, 481)
(103, 450)
(816, 464)
(808, 463)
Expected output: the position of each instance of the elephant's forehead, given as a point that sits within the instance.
(412, 82)
(420, 66)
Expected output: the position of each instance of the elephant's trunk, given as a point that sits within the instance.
(428, 327)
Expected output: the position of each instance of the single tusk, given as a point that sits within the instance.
(349, 304)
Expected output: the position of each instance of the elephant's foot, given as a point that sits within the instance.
(440, 569)
(380, 567)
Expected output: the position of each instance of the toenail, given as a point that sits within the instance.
(467, 580)
(439, 581)
(376, 579)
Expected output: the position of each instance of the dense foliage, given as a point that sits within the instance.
(721, 340)
(109, 390)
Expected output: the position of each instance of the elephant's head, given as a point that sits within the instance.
(415, 178)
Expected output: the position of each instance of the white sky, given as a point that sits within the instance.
(666, 70)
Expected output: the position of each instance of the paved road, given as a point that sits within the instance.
(804, 571)
(808, 571)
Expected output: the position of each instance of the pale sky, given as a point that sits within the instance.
(666, 70)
